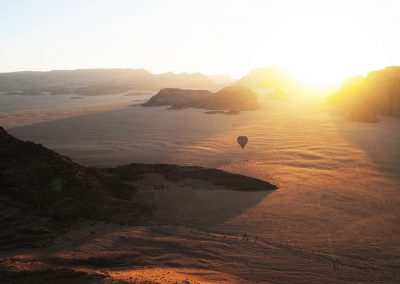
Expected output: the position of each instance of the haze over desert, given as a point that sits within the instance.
(123, 163)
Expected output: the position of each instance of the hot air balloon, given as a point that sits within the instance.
(242, 141)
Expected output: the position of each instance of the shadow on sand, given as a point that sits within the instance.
(379, 141)
(203, 208)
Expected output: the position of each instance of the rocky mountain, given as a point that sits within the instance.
(43, 193)
(363, 98)
(268, 78)
(233, 98)
(223, 80)
(236, 98)
(177, 98)
(98, 81)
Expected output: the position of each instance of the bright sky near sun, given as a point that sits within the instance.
(318, 41)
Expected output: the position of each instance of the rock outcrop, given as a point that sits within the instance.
(363, 98)
(178, 98)
(233, 98)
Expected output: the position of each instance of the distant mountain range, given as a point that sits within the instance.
(111, 81)
(101, 81)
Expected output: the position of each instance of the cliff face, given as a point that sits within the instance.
(365, 97)
(235, 98)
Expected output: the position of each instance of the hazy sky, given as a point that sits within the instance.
(319, 41)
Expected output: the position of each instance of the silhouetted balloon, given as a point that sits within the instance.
(242, 141)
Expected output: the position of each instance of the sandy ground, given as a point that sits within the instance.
(175, 254)
(21, 110)
(173, 275)
(338, 198)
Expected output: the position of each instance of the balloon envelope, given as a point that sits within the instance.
(242, 141)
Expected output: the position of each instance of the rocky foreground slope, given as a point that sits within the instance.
(43, 193)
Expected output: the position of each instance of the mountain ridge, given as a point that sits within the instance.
(71, 81)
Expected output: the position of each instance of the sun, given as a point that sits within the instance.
(318, 50)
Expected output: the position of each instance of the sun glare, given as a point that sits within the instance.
(321, 50)
(319, 42)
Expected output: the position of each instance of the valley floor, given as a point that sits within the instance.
(334, 219)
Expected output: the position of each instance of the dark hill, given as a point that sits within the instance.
(42, 193)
